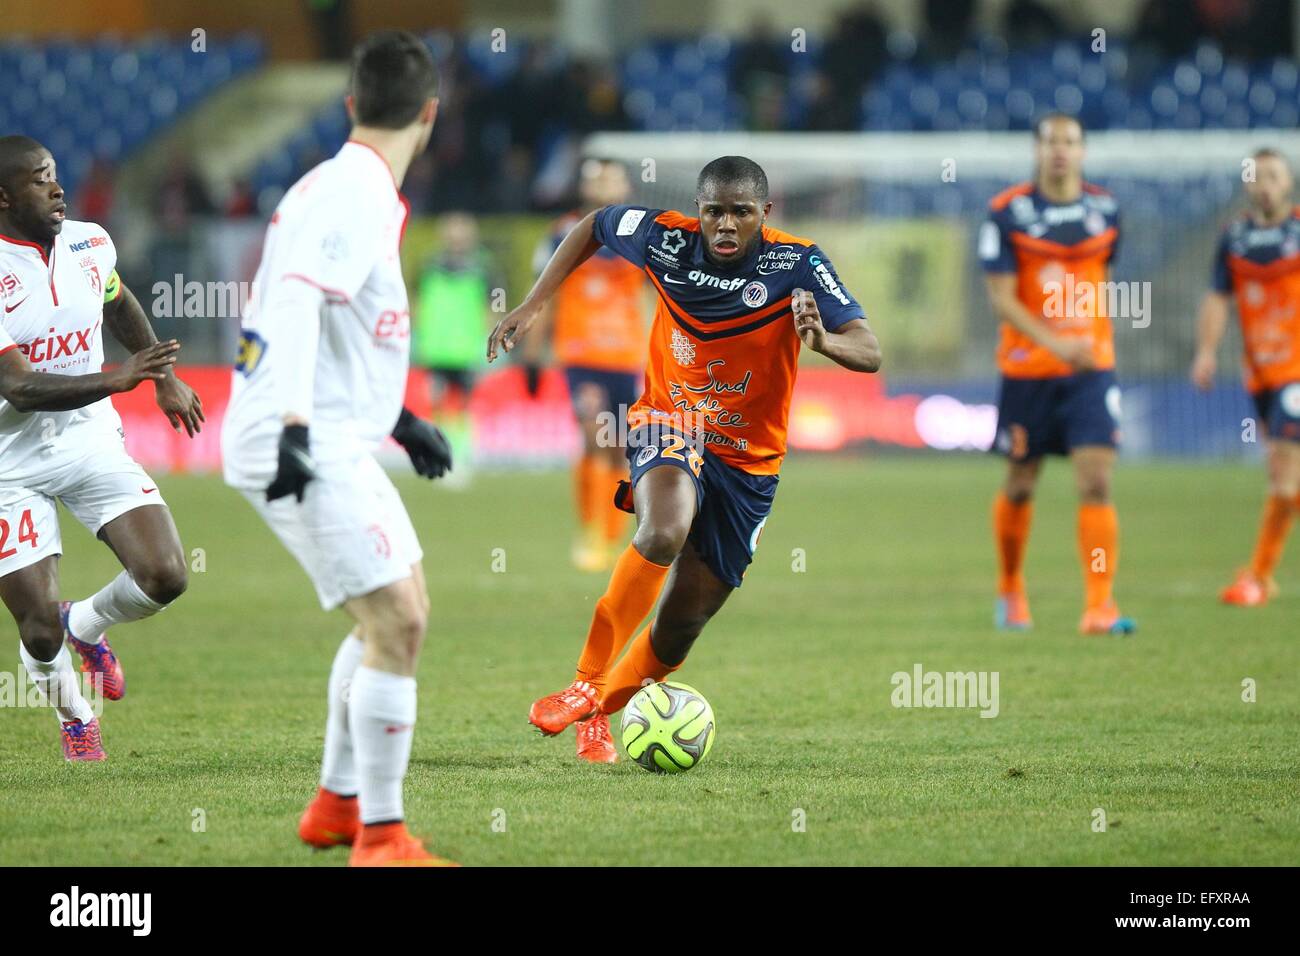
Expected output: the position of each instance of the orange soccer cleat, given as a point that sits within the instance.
(391, 844)
(1248, 590)
(1106, 619)
(1011, 612)
(595, 743)
(329, 820)
(552, 713)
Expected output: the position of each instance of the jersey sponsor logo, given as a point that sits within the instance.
(1094, 223)
(393, 324)
(91, 243)
(990, 243)
(683, 349)
(58, 346)
(672, 241)
(708, 408)
(755, 294)
(1056, 215)
(10, 285)
(827, 280)
(714, 282)
(779, 259)
(631, 219)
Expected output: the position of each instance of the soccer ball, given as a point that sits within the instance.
(667, 727)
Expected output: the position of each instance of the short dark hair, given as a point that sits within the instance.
(733, 170)
(1059, 115)
(393, 75)
(12, 150)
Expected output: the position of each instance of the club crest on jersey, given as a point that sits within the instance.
(672, 241)
(91, 272)
(755, 294)
(683, 349)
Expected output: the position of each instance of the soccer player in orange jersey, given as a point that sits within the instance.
(598, 337)
(737, 300)
(1046, 250)
(1258, 262)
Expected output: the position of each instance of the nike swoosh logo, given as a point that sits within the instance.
(148, 491)
(10, 308)
(668, 278)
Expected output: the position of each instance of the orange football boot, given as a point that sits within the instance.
(1106, 619)
(552, 713)
(329, 820)
(391, 844)
(1248, 590)
(595, 743)
(1011, 612)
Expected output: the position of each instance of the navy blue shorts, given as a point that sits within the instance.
(1278, 410)
(731, 505)
(1053, 416)
(621, 389)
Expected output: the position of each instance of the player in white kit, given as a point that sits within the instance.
(61, 439)
(318, 386)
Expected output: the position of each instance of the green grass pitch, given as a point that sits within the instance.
(223, 721)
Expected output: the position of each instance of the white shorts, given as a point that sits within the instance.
(97, 489)
(351, 533)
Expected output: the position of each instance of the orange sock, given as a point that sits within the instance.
(633, 589)
(1099, 551)
(638, 665)
(1273, 528)
(585, 478)
(1011, 532)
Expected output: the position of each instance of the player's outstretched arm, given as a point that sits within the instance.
(30, 391)
(578, 246)
(1209, 333)
(1008, 308)
(852, 345)
(126, 320)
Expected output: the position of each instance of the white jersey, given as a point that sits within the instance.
(54, 313)
(332, 244)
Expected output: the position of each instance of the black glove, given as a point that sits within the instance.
(532, 379)
(295, 467)
(427, 446)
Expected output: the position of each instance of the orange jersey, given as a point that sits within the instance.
(1060, 253)
(723, 349)
(1261, 266)
(598, 310)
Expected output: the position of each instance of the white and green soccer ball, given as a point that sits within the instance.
(667, 727)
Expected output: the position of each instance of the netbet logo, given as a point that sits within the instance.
(713, 282)
(90, 243)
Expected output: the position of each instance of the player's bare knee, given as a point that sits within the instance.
(163, 581)
(1094, 490)
(41, 632)
(661, 542)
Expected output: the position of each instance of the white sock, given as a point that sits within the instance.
(118, 602)
(57, 680)
(338, 770)
(381, 713)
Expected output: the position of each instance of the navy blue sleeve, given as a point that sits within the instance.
(625, 230)
(835, 303)
(1221, 278)
(995, 250)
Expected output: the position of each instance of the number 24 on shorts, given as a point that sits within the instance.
(26, 534)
